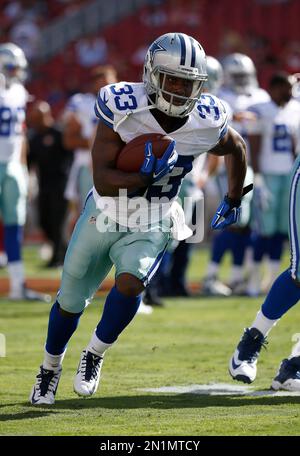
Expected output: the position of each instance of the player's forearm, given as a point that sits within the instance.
(108, 181)
(24, 151)
(236, 166)
(254, 143)
(76, 142)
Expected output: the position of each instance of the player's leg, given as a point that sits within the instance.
(265, 226)
(240, 241)
(84, 183)
(276, 241)
(137, 257)
(13, 195)
(288, 375)
(211, 285)
(86, 264)
(237, 281)
(57, 215)
(284, 294)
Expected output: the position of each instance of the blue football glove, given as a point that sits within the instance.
(153, 169)
(227, 213)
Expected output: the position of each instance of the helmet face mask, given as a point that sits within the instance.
(179, 58)
(13, 63)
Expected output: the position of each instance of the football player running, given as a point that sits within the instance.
(13, 169)
(168, 101)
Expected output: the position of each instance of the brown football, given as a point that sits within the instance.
(132, 156)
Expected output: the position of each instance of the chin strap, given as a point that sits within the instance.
(129, 113)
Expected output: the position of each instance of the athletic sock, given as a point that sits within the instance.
(283, 295)
(263, 324)
(53, 362)
(118, 312)
(96, 346)
(60, 330)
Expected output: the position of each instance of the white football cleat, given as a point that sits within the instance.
(88, 374)
(288, 375)
(45, 387)
(26, 294)
(145, 309)
(242, 365)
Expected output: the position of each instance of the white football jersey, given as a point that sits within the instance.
(241, 102)
(124, 107)
(279, 127)
(12, 121)
(82, 104)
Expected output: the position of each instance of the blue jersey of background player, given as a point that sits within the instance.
(168, 101)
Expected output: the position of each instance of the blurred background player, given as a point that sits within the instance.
(273, 140)
(13, 168)
(239, 90)
(52, 162)
(78, 134)
(284, 294)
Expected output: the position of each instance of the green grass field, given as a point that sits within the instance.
(187, 342)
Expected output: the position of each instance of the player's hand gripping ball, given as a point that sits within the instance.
(153, 155)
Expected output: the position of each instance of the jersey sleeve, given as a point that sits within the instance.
(224, 115)
(73, 104)
(103, 108)
(115, 101)
(214, 116)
